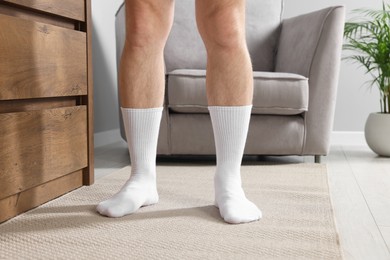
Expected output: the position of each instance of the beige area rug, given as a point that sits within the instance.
(297, 220)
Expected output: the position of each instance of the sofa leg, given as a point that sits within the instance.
(317, 158)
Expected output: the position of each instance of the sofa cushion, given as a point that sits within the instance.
(274, 93)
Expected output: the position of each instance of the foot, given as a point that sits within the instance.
(132, 196)
(233, 205)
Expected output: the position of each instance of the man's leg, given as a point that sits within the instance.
(229, 81)
(141, 90)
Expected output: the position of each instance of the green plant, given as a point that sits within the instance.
(369, 36)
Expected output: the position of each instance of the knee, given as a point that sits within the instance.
(147, 27)
(223, 29)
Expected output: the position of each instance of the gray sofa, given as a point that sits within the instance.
(296, 67)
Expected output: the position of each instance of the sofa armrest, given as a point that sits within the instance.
(310, 45)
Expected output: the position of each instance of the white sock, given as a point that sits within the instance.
(230, 125)
(142, 128)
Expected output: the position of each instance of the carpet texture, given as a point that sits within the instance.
(297, 220)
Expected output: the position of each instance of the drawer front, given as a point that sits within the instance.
(25, 200)
(42, 145)
(73, 9)
(41, 60)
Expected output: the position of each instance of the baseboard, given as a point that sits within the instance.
(347, 138)
(107, 137)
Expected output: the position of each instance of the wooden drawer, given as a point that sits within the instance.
(46, 102)
(41, 145)
(25, 200)
(73, 9)
(41, 60)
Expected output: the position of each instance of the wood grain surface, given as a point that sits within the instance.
(74, 9)
(22, 105)
(88, 100)
(25, 200)
(46, 101)
(39, 146)
(41, 60)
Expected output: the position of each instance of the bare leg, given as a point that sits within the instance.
(148, 23)
(229, 81)
(221, 24)
(141, 76)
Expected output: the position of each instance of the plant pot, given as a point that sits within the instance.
(377, 133)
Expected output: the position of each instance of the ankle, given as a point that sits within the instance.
(143, 178)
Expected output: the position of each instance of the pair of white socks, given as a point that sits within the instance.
(230, 126)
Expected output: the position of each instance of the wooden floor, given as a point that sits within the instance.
(359, 185)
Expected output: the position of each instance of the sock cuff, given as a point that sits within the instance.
(230, 108)
(142, 110)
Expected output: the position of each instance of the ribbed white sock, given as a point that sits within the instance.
(142, 128)
(230, 126)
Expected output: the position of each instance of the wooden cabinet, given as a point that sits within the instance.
(46, 102)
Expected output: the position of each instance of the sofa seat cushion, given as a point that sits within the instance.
(274, 93)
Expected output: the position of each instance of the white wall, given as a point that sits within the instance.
(104, 65)
(354, 101)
